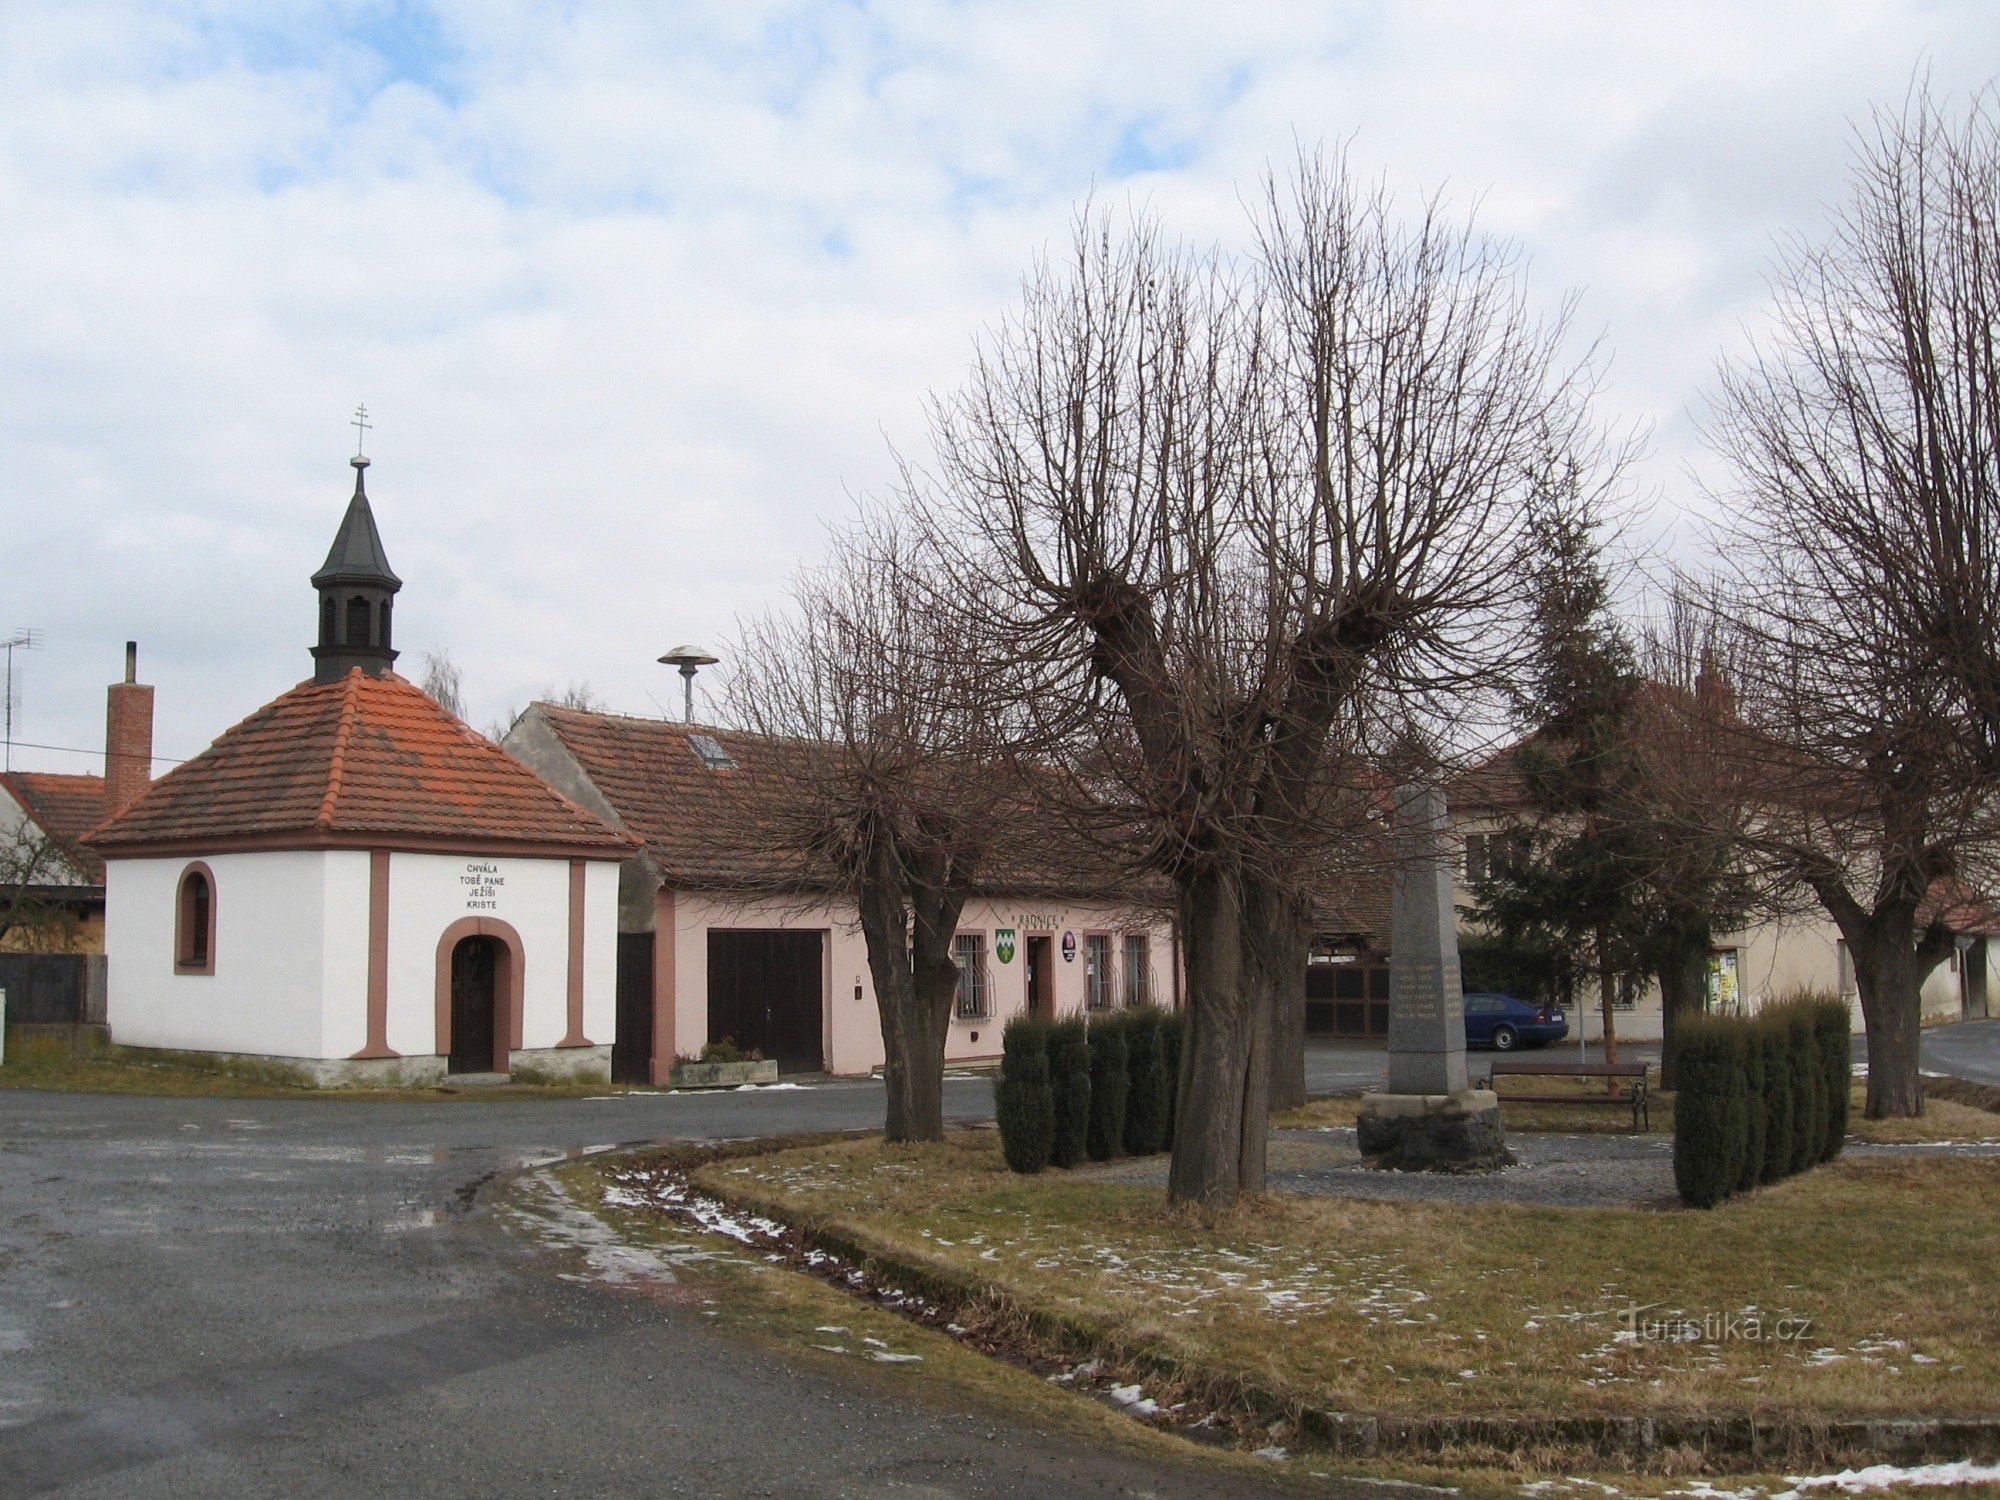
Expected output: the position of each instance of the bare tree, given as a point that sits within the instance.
(896, 781)
(1691, 807)
(38, 911)
(443, 682)
(1239, 518)
(1864, 438)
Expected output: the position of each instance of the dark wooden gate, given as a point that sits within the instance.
(474, 1026)
(48, 989)
(632, 1046)
(767, 994)
(1347, 1000)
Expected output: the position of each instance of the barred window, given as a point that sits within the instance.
(968, 951)
(1138, 969)
(194, 922)
(1097, 970)
(1475, 858)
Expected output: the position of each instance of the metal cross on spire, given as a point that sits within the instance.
(360, 424)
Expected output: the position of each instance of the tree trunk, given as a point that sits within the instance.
(1223, 1099)
(913, 1065)
(915, 980)
(1887, 973)
(1683, 976)
(1276, 937)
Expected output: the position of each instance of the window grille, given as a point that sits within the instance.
(1138, 969)
(968, 951)
(1097, 970)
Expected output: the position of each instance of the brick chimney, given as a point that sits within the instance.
(128, 737)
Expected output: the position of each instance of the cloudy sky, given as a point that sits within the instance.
(638, 293)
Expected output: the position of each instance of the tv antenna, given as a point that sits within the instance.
(24, 638)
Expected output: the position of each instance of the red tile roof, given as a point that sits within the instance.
(66, 808)
(725, 828)
(702, 826)
(365, 760)
(1961, 907)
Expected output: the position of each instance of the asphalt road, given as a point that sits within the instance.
(287, 1297)
(1969, 1050)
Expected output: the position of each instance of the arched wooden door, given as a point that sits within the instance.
(475, 1006)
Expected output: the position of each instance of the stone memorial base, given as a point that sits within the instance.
(1434, 1132)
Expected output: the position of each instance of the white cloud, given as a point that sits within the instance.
(635, 291)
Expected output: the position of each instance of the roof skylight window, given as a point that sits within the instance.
(711, 752)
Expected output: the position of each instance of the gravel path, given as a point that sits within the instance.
(1557, 1170)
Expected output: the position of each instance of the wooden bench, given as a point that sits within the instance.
(1632, 1072)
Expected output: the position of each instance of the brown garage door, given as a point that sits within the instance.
(766, 993)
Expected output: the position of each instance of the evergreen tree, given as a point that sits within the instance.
(1566, 886)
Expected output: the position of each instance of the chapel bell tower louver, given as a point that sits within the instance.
(355, 589)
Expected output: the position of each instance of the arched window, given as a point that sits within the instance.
(194, 922)
(382, 635)
(359, 616)
(326, 620)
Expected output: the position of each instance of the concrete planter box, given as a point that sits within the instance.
(718, 1075)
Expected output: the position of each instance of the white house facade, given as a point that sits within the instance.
(352, 887)
(710, 952)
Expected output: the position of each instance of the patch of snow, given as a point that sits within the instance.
(1276, 1454)
(1882, 1476)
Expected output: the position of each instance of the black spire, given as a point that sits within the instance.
(355, 586)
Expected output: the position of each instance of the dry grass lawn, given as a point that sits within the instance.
(1501, 1308)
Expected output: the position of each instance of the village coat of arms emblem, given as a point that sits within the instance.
(1003, 945)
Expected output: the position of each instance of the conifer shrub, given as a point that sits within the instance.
(1756, 1113)
(1069, 1081)
(1146, 1076)
(1808, 1085)
(1173, 1030)
(1023, 1103)
(1711, 1110)
(1774, 1037)
(1831, 1024)
(1109, 1085)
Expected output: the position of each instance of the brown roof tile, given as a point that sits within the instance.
(361, 759)
(701, 825)
(724, 828)
(65, 807)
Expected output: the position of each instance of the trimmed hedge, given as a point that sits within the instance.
(1069, 1080)
(1758, 1059)
(1778, 1110)
(1711, 1112)
(1146, 1077)
(1760, 1098)
(1023, 1103)
(1110, 1083)
(1809, 1090)
(1831, 1025)
(1173, 1032)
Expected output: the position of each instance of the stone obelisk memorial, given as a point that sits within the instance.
(1427, 1119)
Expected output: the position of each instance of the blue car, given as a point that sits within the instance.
(1504, 1023)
